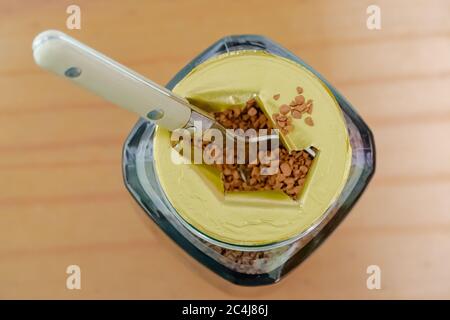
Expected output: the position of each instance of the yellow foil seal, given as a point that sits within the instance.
(263, 217)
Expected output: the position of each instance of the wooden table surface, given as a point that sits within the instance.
(62, 198)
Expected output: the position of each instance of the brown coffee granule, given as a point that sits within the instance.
(284, 109)
(276, 96)
(309, 121)
(299, 100)
(296, 114)
(252, 112)
(286, 169)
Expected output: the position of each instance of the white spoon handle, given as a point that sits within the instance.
(63, 55)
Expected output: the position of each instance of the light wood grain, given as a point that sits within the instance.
(62, 199)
